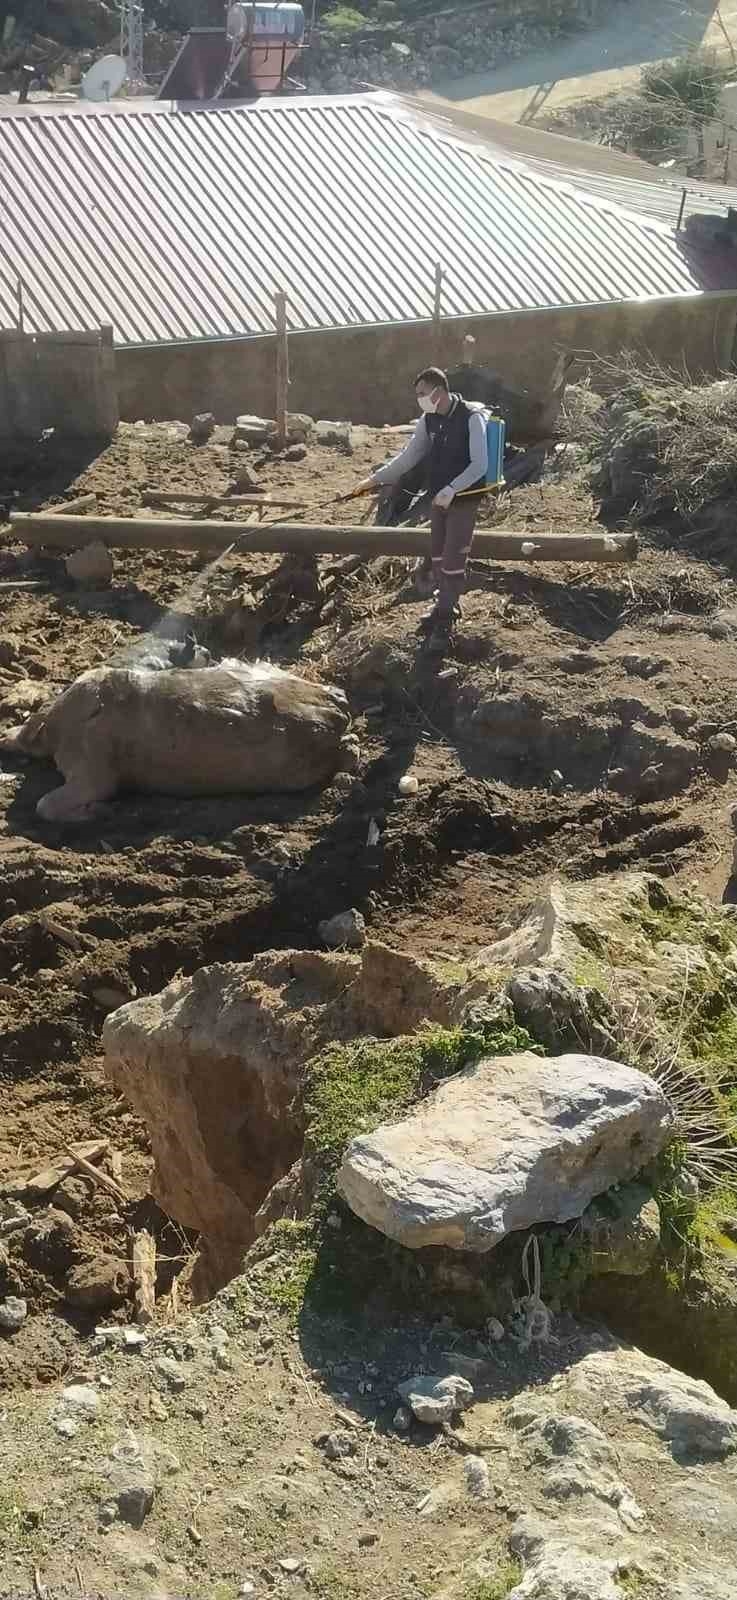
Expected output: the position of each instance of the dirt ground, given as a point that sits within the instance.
(568, 731)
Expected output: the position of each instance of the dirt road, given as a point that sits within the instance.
(596, 63)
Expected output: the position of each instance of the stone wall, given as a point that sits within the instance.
(402, 54)
(366, 373)
(65, 381)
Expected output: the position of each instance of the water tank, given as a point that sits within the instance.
(275, 20)
(270, 37)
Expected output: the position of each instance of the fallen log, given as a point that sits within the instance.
(65, 533)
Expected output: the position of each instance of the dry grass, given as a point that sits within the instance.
(680, 437)
(698, 1091)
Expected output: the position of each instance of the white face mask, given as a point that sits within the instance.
(426, 402)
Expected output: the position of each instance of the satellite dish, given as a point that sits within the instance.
(104, 78)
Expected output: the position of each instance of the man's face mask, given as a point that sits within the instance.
(427, 402)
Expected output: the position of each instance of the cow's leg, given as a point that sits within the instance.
(75, 800)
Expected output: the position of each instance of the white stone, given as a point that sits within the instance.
(347, 930)
(81, 1397)
(511, 1142)
(66, 1427)
(91, 565)
(436, 1400)
(13, 1217)
(13, 1313)
(478, 1479)
(335, 433)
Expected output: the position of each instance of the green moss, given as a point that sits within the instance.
(634, 1582)
(711, 1213)
(711, 1030)
(505, 1579)
(351, 1088)
(681, 923)
(565, 1263)
(589, 973)
(11, 1511)
(18, 1529)
(333, 1582)
(292, 1259)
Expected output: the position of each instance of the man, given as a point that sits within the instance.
(451, 437)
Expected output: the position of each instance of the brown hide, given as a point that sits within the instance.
(221, 730)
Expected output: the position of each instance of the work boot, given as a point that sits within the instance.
(435, 618)
(428, 621)
(441, 638)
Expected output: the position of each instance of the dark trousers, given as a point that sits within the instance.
(451, 536)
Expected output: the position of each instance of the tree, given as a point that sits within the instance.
(677, 95)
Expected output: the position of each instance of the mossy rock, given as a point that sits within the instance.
(331, 1262)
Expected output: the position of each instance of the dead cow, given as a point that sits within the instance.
(227, 729)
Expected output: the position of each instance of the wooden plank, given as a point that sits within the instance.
(144, 1277)
(100, 1178)
(191, 497)
(50, 1176)
(73, 508)
(67, 533)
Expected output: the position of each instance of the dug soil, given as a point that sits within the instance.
(570, 729)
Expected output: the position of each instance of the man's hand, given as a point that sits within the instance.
(443, 499)
(367, 486)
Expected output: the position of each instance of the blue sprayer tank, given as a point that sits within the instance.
(495, 438)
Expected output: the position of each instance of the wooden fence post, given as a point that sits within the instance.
(282, 367)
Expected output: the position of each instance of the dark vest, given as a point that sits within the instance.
(449, 447)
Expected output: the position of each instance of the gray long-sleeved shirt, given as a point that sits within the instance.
(418, 447)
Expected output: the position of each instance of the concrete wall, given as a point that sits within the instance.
(365, 374)
(65, 381)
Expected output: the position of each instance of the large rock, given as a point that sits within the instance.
(509, 1143)
(558, 1568)
(214, 1066)
(684, 1411)
(584, 954)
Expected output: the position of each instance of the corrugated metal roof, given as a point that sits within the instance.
(180, 226)
(527, 140)
(611, 175)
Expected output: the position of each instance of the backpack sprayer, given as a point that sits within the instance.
(495, 443)
(496, 432)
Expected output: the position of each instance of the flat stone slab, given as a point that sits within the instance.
(511, 1142)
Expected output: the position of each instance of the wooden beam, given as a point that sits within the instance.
(67, 533)
(282, 366)
(144, 1277)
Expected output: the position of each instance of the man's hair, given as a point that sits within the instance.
(435, 376)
